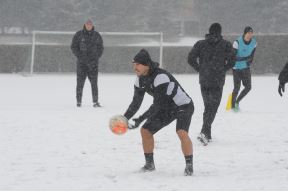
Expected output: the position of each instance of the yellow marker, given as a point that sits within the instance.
(229, 102)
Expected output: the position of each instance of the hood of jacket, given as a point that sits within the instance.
(213, 39)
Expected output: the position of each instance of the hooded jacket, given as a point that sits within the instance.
(212, 57)
(87, 46)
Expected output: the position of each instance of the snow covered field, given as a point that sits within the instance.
(48, 144)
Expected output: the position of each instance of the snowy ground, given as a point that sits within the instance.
(48, 144)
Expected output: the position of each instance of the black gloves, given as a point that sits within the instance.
(137, 122)
(281, 88)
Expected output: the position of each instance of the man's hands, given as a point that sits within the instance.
(137, 122)
(281, 88)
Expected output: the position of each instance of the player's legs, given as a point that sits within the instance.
(150, 127)
(184, 116)
(246, 81)
(212, 98)
(82, 72)
(148, 147)
(147, 141)
(186, 143)
(93, 78)
(237, 84)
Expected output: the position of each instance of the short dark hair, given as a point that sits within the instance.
(248, 29)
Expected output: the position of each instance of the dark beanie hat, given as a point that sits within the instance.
(143, 57)
(215, 28)
(248, 29)
(89, 21)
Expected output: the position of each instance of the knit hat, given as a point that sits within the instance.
(215, 28)
(248, 29)
(89, 21)
(143, 57)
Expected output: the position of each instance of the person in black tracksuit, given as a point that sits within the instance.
(244, 48)
(211, 57)
(87, 46)
(170, 102)
(283, 79)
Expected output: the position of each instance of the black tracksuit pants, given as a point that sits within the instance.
(238, 76)
(83, 71)
(211, 98)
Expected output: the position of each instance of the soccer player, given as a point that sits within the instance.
(244, 48)
(170, 103)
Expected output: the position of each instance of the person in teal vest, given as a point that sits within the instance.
(244, 48)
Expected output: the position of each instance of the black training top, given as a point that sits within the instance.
(165, 89)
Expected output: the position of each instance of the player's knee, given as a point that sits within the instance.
(146, 134)
(182, 134)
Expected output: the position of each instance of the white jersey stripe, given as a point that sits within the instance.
(181, 97)
(161, 79)
(170, 88)
(137, 82)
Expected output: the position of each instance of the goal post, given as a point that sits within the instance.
(49, 39)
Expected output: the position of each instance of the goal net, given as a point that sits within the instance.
(51, 51)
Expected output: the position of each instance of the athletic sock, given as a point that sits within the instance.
(189, 159)
(149, 158)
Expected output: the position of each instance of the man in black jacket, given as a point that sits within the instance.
(87, 46)
(170, 102)
(211, 57)
(283, 79)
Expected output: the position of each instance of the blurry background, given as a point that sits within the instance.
(180, 21)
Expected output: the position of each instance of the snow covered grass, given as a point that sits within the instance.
(49, 144)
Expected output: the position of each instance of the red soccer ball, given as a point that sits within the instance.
(118, 124)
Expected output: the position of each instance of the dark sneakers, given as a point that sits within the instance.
(96, 104)
(236, 108)
(148, 167)
(188, 170)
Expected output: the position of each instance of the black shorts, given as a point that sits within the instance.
(182, 114)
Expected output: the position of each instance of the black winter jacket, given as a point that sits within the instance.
(212, 57)
(87, 46)
(283, 76)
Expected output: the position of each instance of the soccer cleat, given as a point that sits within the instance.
(96, 104)
(203, 139)
(148, 167)
(236, 108)
(188, 170)
(78, 104)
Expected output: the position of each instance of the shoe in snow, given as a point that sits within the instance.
(148, 167)
(188, 170)
(96, 104)
(236, 108)
(203, 139)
